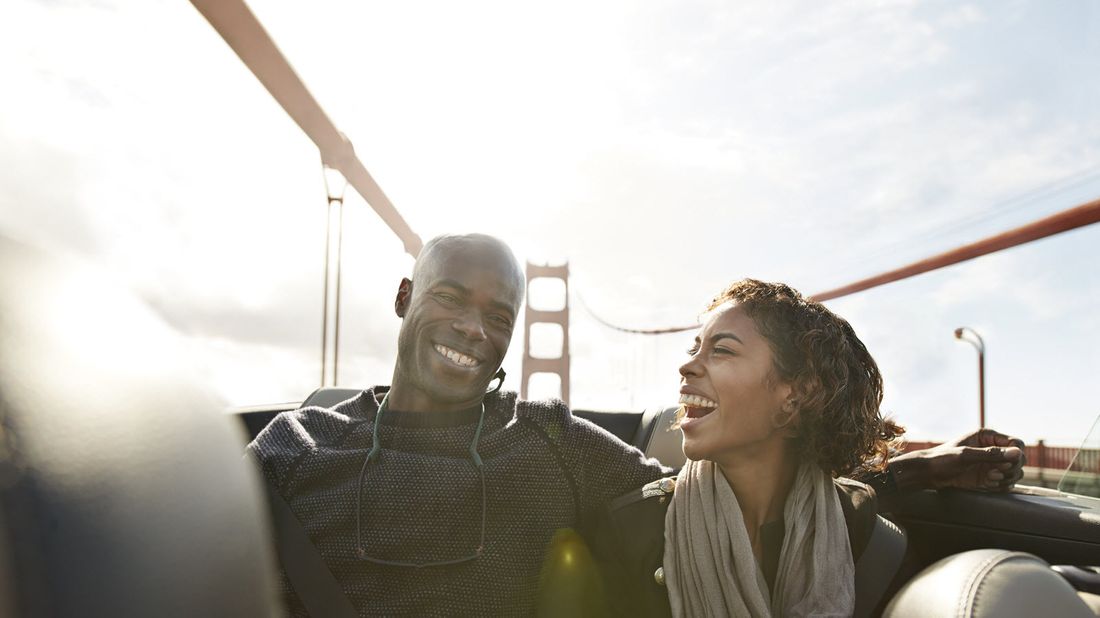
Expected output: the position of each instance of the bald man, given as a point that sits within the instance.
(465, 490)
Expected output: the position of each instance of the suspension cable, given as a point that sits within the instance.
(240, 29)
(1073, 218)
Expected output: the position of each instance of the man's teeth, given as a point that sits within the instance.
(456, 357)
(695, 401)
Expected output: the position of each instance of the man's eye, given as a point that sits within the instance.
(447, 298)
(499, 319)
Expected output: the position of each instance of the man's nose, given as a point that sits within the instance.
(470, 326)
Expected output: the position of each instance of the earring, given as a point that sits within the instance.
(787, 413)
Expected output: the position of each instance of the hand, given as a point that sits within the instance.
(985, 460)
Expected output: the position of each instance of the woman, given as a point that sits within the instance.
(778, 399)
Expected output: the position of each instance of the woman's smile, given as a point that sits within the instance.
(729, 378)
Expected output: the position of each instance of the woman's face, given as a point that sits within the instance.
(730, 388)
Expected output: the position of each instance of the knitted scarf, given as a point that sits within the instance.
(709, 566)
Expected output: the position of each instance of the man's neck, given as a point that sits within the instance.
(414, 400)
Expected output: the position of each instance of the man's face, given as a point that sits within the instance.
(457, 324)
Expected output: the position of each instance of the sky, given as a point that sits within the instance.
(663, 149)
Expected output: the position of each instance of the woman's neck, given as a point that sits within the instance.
(761, 479)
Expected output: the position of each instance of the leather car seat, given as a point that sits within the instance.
(123, 490)
(657, 438)
(988, 582)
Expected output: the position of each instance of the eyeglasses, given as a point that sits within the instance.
(376, 449)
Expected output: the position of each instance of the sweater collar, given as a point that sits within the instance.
(401, 418)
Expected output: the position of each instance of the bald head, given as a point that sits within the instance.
(480, 249)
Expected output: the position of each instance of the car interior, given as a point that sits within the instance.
(124, 492)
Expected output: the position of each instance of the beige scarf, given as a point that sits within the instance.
(709, 566)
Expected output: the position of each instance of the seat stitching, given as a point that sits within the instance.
(970, 590)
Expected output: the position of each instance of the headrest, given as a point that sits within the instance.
(663, 442)
(123, 490)
(329, 396)
(988, 582)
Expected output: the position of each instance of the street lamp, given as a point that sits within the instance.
(976, 340)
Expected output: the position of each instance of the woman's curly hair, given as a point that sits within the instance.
(837, 385)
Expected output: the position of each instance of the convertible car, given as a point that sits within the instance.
(123, 491)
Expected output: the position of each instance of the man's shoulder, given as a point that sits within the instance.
(556, 420)
(313, 426)
(540, 410)
(292, 436)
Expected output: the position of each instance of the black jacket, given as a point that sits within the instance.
(629, 544)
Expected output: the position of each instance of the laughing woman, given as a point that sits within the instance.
(779, 400)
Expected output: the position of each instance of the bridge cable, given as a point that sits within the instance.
(1064, 221)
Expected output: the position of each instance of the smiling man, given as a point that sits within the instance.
(441, 496)
(450, 506)
(458, 314)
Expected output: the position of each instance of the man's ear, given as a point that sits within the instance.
(404, 295)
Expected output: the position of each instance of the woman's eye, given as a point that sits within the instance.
(724, 351)
(693, 350)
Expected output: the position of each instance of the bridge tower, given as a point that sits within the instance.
(558, 365)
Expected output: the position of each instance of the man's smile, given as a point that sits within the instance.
(456, 357)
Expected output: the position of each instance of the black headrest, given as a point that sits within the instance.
(328, 396)
(123, 491)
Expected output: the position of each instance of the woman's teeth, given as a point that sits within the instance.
(456, 357)
(695, 401)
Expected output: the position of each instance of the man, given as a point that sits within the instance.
(450, 507)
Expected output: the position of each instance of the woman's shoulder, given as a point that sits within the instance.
(629, 543)
(860, 506)
(659, 492)
(639, 512)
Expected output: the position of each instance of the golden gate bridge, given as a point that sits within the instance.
(242, 31)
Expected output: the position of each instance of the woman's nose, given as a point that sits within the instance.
(690, 368)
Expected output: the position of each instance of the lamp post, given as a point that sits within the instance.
(975, 340)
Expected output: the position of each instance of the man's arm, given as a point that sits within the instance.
(986, 460)
(604, 466)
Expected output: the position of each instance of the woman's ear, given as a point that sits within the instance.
(786, 418)
(792, 418)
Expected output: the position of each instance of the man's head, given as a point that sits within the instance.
(458, 313)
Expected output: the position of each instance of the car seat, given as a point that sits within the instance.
(123, 490)
(988, 582)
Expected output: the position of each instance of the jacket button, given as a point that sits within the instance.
(659, 576)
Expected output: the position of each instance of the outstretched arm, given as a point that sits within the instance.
(985, 460)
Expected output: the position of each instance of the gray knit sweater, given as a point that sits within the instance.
(545, 471)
